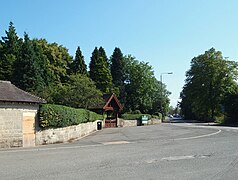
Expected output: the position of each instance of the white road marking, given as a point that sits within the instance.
(116, 142)
(201, 136)
(175, 158)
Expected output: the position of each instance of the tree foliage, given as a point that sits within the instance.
(27, 70)
(78, 65)
(231, 107)
(49, 71)
(9, 52)
(57, 60)
(117, 67)
(102, 54)
(99, 70)
(79, 92)
(143, 91)
(207, 81)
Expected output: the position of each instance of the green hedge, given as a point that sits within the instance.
(128, 116)
(55, 116)
(157, 115)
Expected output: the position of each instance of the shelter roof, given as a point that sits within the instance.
(107, 99)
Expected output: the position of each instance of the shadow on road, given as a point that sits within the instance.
(180, 121)
(205, 123)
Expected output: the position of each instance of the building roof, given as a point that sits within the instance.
(10, 93)
(107, 100)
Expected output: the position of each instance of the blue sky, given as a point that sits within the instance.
(165, 33)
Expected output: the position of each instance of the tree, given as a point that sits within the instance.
(44, 87)
(118, 74)
(79, 92)
(231, 107)
(78, 65)
(58, 60)
(143, 91)
(99, 71)
(54, 61)
(160, 98)
(27, 71)
(9, 52)
(102, 53)
(208, 80)
(117, 68)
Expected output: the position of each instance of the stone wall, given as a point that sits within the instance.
(154, 121)
(126, 123)
(66, 134)
(131, 123)
(11, 116)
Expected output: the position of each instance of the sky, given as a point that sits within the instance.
(165, 33)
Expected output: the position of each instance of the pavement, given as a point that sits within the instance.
(164, 151)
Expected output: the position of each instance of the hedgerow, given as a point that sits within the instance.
(55, 116)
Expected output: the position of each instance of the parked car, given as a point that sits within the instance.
(177, 117)
(170, 116)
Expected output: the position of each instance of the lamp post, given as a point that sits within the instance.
(161, 76)
(161, 80)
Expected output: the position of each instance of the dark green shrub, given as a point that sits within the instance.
(61, 116)
(157, 115)
(136, 112)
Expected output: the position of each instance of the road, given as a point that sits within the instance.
(164, 151)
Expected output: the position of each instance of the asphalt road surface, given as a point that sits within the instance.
(166, 151)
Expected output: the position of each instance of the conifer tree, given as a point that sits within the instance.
(99, 71)
(9, 52)
(26, 74)
(78, 65)
(92, 64)
(117, 68)
(102, 54)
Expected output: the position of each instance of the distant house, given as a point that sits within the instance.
(111, 107)
(18, 116)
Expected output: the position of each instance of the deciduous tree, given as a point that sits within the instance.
(79, 92)
(143, 91)
(207, 81)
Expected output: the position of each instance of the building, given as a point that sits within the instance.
(18, 116)
(111, 108)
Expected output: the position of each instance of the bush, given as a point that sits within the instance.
(128, 116)
(157, 115)
(136, 112)
(61, 116)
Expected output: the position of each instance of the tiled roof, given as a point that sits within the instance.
(10, 93)
(106, 99)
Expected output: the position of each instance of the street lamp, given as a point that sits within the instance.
(161, 80)
(161, 75)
